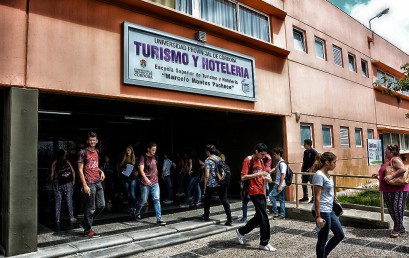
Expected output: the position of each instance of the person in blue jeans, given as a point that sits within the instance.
(322, 211)
(194, 166)
(129, 181)
(278, 191)
(148, 169)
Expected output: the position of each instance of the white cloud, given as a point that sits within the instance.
(393, 26)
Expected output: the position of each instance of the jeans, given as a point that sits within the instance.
(94, 204)
(260, 219)
(305, 179)
(274, 194)
(323, 248)
(154, 191)
(222, 193)
(193, 184)
(169, 187)
(131, 184)
(59, 191)
(244, 204)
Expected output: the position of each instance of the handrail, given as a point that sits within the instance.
(334, 176)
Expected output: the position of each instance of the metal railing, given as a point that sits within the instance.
(334, 179)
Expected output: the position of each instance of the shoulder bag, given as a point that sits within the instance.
(397, 181)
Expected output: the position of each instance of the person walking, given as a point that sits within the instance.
(128, 166)
(109, 182)
(194, 166)
(322, 211)
(148, 169)
(63, 176)
(212, 185)
(307, 162)
(394, 196)
(257, 193)
(278, 191)
(91, 176)
(168, 165)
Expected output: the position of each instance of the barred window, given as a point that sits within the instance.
(337, 52)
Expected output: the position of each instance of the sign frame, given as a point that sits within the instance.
(130, 27)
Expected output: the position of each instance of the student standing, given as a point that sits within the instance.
(307, 162)
(148, 169)
(168, 165)
(278, 191)
(129, 172)
(325, 217)
(257, 192)
(91, 177)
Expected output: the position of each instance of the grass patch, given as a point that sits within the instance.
(368, 198)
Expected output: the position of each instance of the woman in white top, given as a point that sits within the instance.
(325, 217)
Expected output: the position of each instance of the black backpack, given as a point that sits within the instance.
(288, 174)
(223, 172)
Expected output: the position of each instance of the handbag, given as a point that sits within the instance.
(337, 208)
(397, 181)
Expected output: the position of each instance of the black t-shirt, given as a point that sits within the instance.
(308, 159)
(195, 167)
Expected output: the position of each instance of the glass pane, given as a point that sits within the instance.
(364, 66)
(254, 24)
(386, 139)
(351, 61)
(380, 76)
(168, 3)
(344, 137)
(305, 133)
(370, 134)
(395, 139)
(326, 136)
(337, 52)
(299, 40)
(358, 137)
(406, 140)
(221, 12)
(319, 48)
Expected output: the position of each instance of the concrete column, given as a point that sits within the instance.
(19, 189)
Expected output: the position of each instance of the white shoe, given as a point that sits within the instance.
(267, 247)
(240, 238)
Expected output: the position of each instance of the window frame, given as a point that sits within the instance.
(330, 134)
(353, 64)
(324, 49)
(335, 47)
(348, 138)
(256, 11)
(370, 131)
(360, 138)
(365, 72)
(311, 133)
(304, 42)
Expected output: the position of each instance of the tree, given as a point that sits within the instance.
(401, 85)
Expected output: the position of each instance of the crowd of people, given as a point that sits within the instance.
(139, 179)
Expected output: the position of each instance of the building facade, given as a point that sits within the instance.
(185, 73)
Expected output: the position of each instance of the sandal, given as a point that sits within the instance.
(394, 234)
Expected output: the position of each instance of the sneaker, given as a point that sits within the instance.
(138, 217)
(167, 202)
(184, 205)
(240, 238)
(279, 217)
(304, 199)
(198, 204)
(267, 247)
(229, 222)
(92, 234)
(204, 218)
(275, 214)
(243, 220)
(161, 222)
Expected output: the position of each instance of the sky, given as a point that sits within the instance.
(393, 26)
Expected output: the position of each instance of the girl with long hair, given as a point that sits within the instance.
(130, 182)
(325, 217)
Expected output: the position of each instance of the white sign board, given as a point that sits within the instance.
(157, 59)
(375, 156)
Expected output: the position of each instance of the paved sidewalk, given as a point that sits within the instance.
(186, 233)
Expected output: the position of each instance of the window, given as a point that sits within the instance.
(299, 40)
(337, 51)
(320, 48)
(227, 13)
(402, 140)
(306, 132)
(327, 135)
(370, 134)
(358, 137)
(364, 65)
(254, 23)
(351, 62)
(344, 134)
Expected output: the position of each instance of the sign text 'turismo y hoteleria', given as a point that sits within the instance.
(157, 59)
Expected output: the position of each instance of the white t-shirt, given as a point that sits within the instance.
(327, 193)
(280, 169)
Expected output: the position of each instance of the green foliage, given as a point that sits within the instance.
(401, 85)
(368, 198)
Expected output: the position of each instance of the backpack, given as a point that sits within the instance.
(245, 184)
(288, 175)
(223, 172)
(85, 155)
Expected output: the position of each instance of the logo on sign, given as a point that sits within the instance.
(143, 63)
(245, 86)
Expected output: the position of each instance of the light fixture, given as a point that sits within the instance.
(49, 112)
(137, 118)
(385, 11)
(200, 36)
